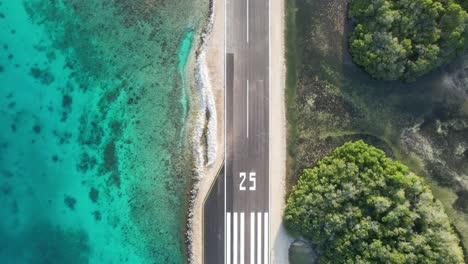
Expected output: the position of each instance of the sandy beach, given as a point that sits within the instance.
(280, 241)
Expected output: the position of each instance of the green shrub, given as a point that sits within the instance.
(358, 206)
(405, 39)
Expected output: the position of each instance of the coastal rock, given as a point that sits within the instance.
(301, 252)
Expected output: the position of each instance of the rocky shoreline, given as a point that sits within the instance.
(203, 126)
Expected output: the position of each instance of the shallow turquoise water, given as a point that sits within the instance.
(94, 161)
(182, 55)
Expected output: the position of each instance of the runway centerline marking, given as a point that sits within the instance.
(247, 21)
(247, 90)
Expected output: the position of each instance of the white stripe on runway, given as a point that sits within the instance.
(252, 238)
(228, 238)
(247, 111)
(242, 249)
(247, 21)
(265, 241)
(259, 238)
(234, 242)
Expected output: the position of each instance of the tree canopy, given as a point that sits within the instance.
(358, 206)
(405, 39)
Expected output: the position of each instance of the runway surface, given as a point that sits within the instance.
(245, 234)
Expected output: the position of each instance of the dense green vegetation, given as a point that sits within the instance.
(358, 206)
(404, 39)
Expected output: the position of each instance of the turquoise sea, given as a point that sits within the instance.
(95, 163)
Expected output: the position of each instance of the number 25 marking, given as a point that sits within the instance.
(252, 179)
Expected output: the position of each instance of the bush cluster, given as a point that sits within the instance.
(358, 206)
(405, 39)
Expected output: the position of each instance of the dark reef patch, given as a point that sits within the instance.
(37, 129)
(6, 189)
(70, 202)
(108, 99)
(2, 69)
(90, 132)
(86, 163)
(43, 75)
(63, 137)
(64, 117)
(114, 179)
(54, 158)
(4, 145)
(7, 174)
(51, 56)
(111, 164)
(110, 158)
(116, 128)
(97, 216)
(67, 101)
(93, 194)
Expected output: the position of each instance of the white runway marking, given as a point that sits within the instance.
(259, 238)
(265, 241)
(228, 238)
(234, 251)
(247, 21)
(252, 238)
(247, 108)
(242, 247)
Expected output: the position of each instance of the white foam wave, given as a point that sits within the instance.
(206, 106)
(206, 109)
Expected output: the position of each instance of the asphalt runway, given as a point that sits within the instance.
(245, 233)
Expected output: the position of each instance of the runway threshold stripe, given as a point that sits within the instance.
(242, 248)
(228, 238)
(252, 238)
(265, 242)
(259, 238)
(234, 242)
